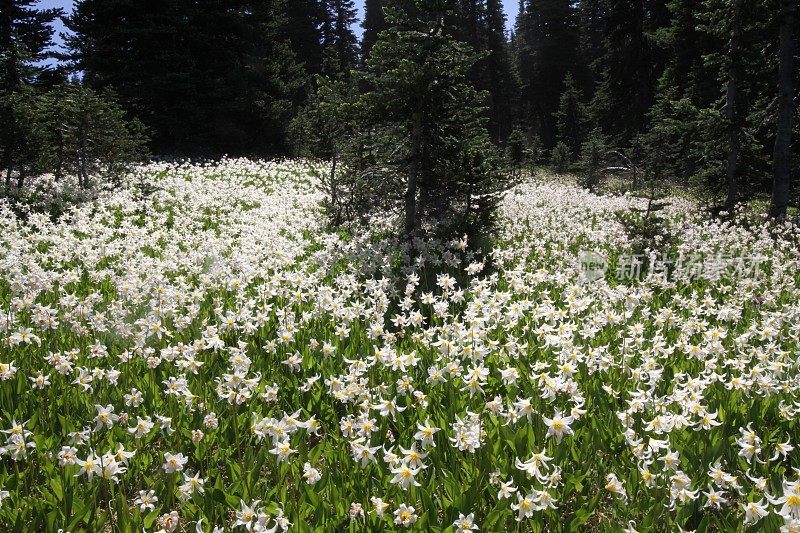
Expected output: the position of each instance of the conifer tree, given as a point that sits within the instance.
(732, 121)
(374, 23)
(629, 66)
(86, 135)
(481, 25)
(561, 157)
(592, 160)
(516, 150)
(549, 37)
(207, 78)
(25, 38)
(781, 158)
(324, 129)
(685, 86)
(710, 122)
(26, 35)
(592, 15)
(343, 41)
(303, 26)
(422, 121)
(733, 112)
(503, 85)
(572, 118)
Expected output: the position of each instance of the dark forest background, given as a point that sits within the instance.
(699, 92)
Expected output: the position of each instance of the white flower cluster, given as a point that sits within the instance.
(202, 317)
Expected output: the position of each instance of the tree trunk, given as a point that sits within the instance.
(8, 140)
(781, 157)
(334, 194)
(59, 172)
(411, 222)
(731, 112)
(82, 174)
(81, 166)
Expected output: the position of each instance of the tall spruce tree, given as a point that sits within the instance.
(733, 105)
(26, 35)
(710, 122)
(503, 85)
(324, 129)
(549, 37)
(733, 122)
(140, 54)
(686, 86)
(592, 14)
(629, 66)
(207, 78)
(341, 44)
(304, 23)
(782, 156)
(86, 135)
(374, 23)
(424, 138)
(572, 117)
(481, 24)
(25, 39)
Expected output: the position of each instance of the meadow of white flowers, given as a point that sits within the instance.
(195, 352)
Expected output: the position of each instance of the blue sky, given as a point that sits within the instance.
(510, 8)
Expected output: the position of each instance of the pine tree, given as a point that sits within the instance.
(26, 35)
(592, 14)
(593, 155)
(324, 129)
(207, 78)
(515, 150)
(629, 66)
(572, 117)
(732, 122)
(549, 37)
(481, 25)
(25, 38)
(469, 23)
(143, 51)
(341, 44)
(522, 53)
(276, 78)
(686, 86)
(374, 23)
(733, 113)
(561, 157)
(304, 22)
(710, 122)
(428, 148)
(503, 85)
(781, 159)
(21, 136)
(684, 70)
(87, 135)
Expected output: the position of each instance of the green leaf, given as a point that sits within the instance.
(57, 488)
